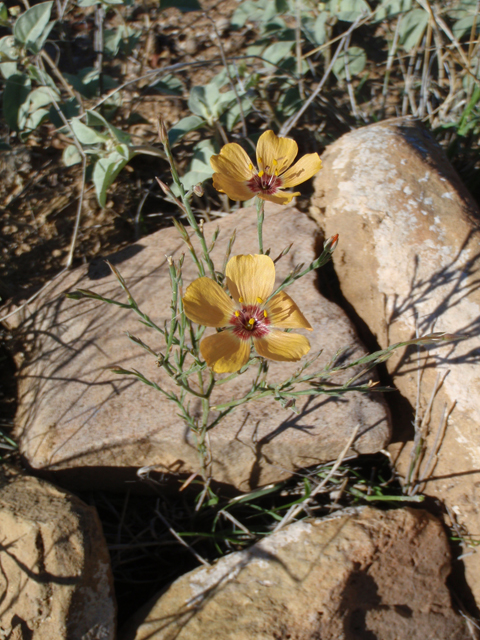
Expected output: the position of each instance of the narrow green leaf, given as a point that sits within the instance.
(3, 15)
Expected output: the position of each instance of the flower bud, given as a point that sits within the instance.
(198, 190)
(162, 132)
(165, 188)
(331, 243)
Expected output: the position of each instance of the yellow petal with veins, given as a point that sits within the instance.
(283, 347)
(284, 313)
(270, 147)
(233, 162)
(234, 189)
(205, 302)
(224, 352)
(302, 170)
(279, 197)
(250, 277)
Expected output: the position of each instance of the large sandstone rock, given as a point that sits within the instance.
(409, 256)
(366, 574)
(55, 578)
(94, 428)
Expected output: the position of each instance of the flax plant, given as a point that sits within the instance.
(253, 318)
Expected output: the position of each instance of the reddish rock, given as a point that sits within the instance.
(355, 576)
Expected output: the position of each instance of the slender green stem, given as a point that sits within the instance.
(260, 218)
(188, 210)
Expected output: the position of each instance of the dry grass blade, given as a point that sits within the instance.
(296, 509)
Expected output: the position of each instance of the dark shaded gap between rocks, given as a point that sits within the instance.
(402, 412)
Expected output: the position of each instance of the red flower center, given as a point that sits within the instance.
(264, 183)
(250, 321)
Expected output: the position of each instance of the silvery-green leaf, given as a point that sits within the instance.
(202, 153)
(124, 152)
(319, 28)
(87, 82)
(104, 173)
(246, 11)
(233, 113)
(33, 120)
(169, 85)
(121, 39)
(8, 69)
(41, 77)
(277, 51)
(349, 10)
(412, 28)
(87, 135)
(390, 8)
(464, 26)
(92, 3)
(30, 26)
(8, 49)
(71, 155)
(33, 112)
(96, 119)
(184, 126)
(356, 59)
(198, 103)
(39, 44)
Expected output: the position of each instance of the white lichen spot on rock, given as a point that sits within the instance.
(229, 568)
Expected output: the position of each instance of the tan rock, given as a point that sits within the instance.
(365, 574)
(95, 427)
(55, 582)
(408, 257)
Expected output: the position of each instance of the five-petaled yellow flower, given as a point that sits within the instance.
(236, 176)
(250, 280)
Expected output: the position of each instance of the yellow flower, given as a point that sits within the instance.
(236, 176)
(250, 280)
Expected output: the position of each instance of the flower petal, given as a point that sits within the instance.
(250, 277)
(278, 198)
(234, 189)
(283, 347)
(205, 302)
(271, 148)
(284, 313)
(302, 170)
(233, 162)
(224, 352)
